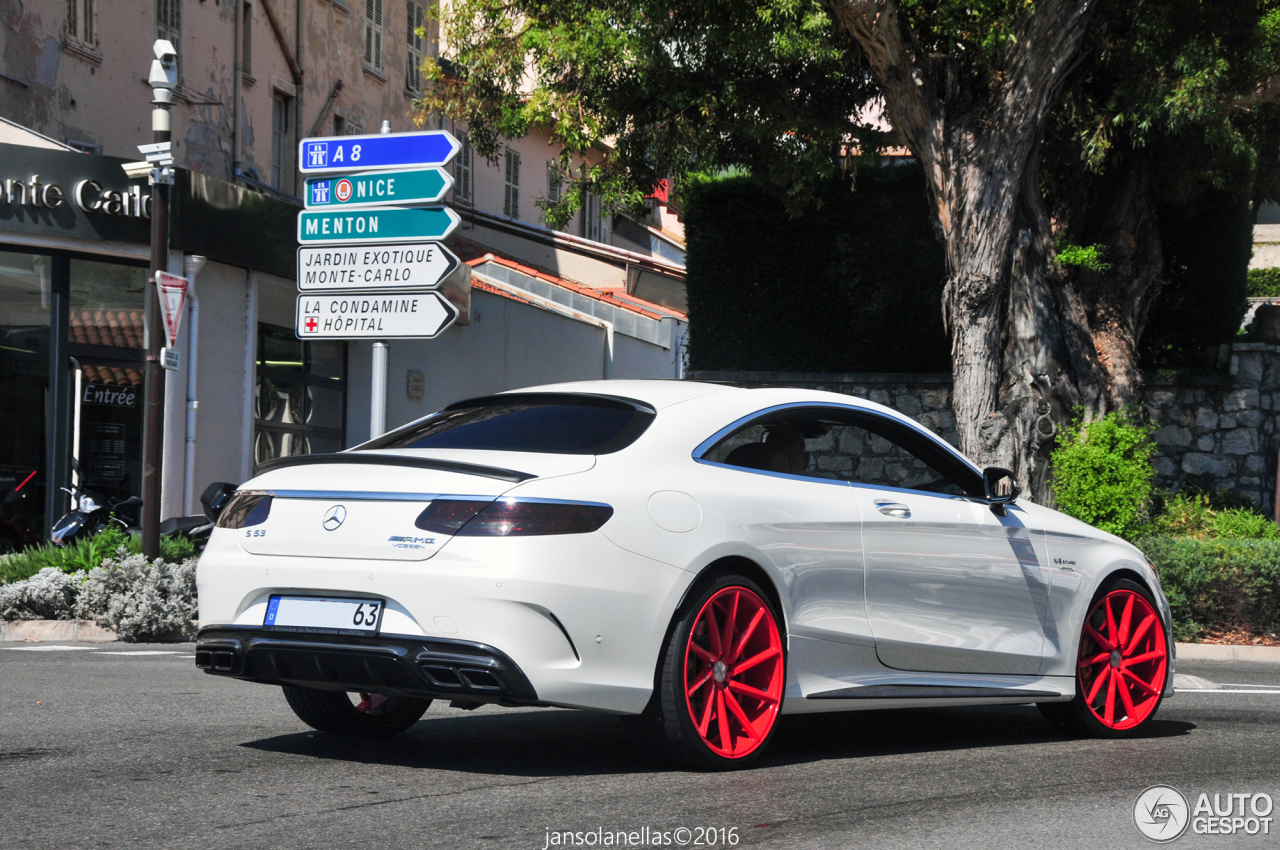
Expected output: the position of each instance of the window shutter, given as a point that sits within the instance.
(413, 56)
(511, 197)
(554, 181)
(73, 25)
(462, 169)
(90, 22)
(377, 36)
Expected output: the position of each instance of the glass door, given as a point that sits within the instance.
(106, 339)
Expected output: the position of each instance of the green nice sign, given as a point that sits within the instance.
(378, 188)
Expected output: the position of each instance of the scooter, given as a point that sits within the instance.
(90, 513)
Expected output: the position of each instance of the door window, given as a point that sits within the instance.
(843, 444)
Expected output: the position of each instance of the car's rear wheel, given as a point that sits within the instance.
(368, 716)
(721, 682)
(1121, 666)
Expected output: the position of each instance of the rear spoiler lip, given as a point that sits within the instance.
(375, 459)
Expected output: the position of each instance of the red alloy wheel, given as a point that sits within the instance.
(733, 672)
(1123, 660)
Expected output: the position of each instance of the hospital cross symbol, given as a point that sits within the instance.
(312, 324)
(317, 154)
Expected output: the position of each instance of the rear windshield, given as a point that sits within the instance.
(546, 423)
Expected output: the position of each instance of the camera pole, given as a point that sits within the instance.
(162, 81)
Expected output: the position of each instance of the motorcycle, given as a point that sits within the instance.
(91, 512)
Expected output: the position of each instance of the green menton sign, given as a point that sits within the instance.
(385, 224)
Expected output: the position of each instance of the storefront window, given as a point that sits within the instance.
(25, 296)
(301, 402)
(107, 339)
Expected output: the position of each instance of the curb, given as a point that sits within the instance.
(56, 630)
(1221, 652)
(77, 630)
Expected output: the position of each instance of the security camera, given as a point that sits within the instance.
(164, 69)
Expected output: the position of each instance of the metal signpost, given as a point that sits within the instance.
(369, 259)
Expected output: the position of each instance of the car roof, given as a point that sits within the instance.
(655, 392)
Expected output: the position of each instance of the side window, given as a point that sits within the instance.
(846, 445)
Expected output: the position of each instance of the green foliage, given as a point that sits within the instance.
(1085, 256)
(1264, 283)
(640, 90)
(853, 289)
(1220, 585)
(1102, 472)
(1201, 517)
(86, 554)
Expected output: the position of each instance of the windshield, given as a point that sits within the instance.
(545, 423)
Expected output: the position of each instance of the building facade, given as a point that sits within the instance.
(602, 298)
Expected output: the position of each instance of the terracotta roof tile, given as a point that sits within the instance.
(616, 298)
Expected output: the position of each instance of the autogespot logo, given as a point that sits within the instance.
(334, 518)
(1161, 813)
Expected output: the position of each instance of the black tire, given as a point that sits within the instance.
(1074, 717)
(667, 725)
(333, 712)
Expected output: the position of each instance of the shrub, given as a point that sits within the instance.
(1203, 517)
(142, 599)
(1218, 584)
(48, 595)
(1263, 283)
(84, 555)
(1102, 472)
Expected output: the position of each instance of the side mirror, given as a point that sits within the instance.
(215, 498)
(129, 502)
(1001, 487)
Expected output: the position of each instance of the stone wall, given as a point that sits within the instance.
(1215, 433)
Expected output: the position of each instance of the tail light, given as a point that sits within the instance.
(245, 509)
(512, 517)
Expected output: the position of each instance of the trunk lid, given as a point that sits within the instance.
(364, 504)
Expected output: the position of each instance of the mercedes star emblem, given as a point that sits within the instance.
(334, 518)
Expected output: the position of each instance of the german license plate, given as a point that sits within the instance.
(325, 612)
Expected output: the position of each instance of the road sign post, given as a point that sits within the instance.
(369, 256)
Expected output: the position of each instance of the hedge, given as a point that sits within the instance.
(1218, 585)
(852, 286)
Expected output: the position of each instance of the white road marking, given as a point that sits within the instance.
(48, 648)
(1223, 691)
(143, 652)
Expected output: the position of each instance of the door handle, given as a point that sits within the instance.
(897, 510)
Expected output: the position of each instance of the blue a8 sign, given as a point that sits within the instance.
(359, 153)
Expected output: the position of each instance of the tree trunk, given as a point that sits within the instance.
(1022, 353)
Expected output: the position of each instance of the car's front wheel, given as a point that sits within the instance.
(371, 716)
(1121, 666)
(722, 676)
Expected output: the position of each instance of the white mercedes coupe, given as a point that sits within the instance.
(698, 557)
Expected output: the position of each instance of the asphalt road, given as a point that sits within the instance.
(103, 748)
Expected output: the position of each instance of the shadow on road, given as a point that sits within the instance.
(553, 742)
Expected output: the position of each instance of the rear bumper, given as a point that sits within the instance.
(392, 665)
